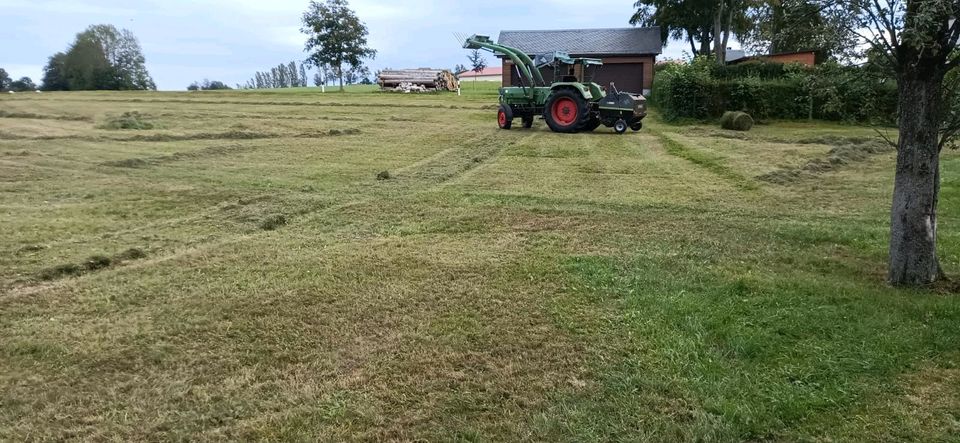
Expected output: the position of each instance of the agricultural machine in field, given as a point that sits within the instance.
(568, 105)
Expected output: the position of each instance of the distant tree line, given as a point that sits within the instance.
(100, 58)
(207, 85)
(356, 75)
(8, 84)
(289, 75)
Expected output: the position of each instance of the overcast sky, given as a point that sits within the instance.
(229, 40)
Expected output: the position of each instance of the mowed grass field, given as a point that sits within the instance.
(239, 272)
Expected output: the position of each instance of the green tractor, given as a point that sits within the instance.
(568, 105)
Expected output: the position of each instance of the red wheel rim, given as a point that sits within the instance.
(565, 111)
(501, 118)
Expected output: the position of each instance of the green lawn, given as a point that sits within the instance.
(682, 283)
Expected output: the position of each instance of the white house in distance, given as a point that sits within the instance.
(491, 74)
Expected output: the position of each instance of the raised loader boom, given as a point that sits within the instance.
(523, 62)
(569, 105)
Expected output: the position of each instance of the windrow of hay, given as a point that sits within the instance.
(847, 150)
(31, 115)
(130, 120)
(167, 137)
(95, 262)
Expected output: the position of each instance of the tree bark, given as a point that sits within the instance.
(726, 34)
(705, 42)
(913, 217)
(718, 48)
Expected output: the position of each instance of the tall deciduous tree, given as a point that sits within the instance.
(54, 74)
(705, 24)
(25, 84)
(918, 38)
(4, 80)
(801, 25)
(336, 36)
(478, 64)
(101, 57)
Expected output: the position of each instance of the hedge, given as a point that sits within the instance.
(828, 92)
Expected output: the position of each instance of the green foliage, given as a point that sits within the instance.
(54, 74)
(287, 75)
(25, 84)
(4, 80)
(336, 36)
(692, 20)
(702, 90)
(207, 85)
(801, 25)
(101, 58)
(477, 62)
(737, 121)
(754, 68)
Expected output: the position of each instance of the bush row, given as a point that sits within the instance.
(827, 92)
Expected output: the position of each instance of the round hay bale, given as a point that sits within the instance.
(736, 120)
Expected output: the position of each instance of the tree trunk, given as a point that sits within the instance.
(705, 42)
(717, 32)
(726, 34)
(913, 218)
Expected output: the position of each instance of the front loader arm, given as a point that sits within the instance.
(527, 68)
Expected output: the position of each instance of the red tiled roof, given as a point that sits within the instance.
(486, 71)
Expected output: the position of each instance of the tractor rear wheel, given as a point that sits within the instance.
(592, 124)
(566, 111)
(504, 117)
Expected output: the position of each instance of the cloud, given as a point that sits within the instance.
(228, 40)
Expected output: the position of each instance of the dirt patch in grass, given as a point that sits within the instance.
(846, 150)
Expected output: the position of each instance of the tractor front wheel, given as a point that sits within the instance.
(566, 111)
(504, 117)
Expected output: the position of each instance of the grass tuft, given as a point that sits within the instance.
(60, 271)
(95, 262)
(132, 254)
(130, 120)
(273, 222)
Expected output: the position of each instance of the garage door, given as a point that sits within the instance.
(627, 76)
